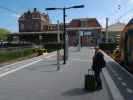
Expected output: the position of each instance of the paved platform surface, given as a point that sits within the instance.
(122, 78)
(38, 79)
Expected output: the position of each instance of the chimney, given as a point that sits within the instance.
(35, 9)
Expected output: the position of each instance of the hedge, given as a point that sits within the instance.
(107, 46)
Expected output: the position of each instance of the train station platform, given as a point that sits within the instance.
(39, 79)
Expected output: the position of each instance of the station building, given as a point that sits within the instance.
(36, 27)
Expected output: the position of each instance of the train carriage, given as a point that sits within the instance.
(126, 45)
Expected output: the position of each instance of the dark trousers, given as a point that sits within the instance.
(98, 80)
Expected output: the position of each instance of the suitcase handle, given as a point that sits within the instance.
(91, 72)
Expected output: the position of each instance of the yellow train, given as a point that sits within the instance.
(126, 46)
(116, 55)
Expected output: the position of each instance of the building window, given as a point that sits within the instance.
(22, 26)
(33, 16)
(83, 24)
(36, 25)
(48, 28)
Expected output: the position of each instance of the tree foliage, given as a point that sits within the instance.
(4, 34)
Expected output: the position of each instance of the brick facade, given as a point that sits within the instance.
(89, 37)
(33, 21)
(36, 22)
(85, 22)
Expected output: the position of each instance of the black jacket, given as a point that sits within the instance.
(98, 62)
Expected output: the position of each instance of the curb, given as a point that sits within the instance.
(115, 93)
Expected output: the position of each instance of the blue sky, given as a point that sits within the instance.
(99, 9)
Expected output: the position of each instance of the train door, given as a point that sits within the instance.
(130, 46)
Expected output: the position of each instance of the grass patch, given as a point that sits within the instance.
(11, 55)
(15, 55)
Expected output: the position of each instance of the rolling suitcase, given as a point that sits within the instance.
(90, 82)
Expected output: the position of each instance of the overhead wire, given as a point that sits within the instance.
(9, 10)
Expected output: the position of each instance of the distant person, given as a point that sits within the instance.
(98, 64)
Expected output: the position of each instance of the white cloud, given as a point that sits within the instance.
(102, 21)
(130, 1)
(15, 15)
(127, 17)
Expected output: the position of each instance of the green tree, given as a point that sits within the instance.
(4, 34)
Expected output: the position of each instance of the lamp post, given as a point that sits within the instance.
(65, 45)
(107, 37)
(58, 42)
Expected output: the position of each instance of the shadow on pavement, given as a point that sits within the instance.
(54, 70)
(74, 49)
(75, 92)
